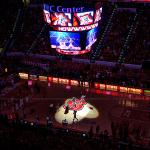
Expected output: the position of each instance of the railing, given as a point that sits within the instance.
(35, 41)
(17, 23)
(129, 38)
(97, 51)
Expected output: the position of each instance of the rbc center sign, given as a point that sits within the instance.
(62, 9)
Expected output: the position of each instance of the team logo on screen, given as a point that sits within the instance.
(85, 18)
(75, 103)
(61, 19)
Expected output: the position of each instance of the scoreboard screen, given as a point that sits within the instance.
(61, 19)
(73, 29)
(82, 19)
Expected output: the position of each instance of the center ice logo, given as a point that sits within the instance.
(75, 104)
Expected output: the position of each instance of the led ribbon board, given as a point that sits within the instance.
(76, 29)
(61, 19)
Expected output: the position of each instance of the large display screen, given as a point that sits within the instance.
(91, 38)
(73, 28)
(65, 40)
(61, 19)
(67, 18)
(82, 19)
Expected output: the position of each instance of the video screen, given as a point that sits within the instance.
(65, 40)
(97, 16)
(61, 19)
(81, 19)
(91, 38)
(47, 16)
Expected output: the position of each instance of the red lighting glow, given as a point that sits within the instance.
(72, 52)
(98, 87)
(80, 28)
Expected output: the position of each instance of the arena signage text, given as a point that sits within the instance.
(62, 9)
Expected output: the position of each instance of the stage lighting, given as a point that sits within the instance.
(87, 111)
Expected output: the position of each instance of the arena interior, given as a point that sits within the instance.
(75, 74)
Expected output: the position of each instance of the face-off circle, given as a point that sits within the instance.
(75, 104)
(83, 110)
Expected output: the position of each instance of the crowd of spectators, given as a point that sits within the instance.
(8, 81)
(122, 20)
(7, 78)
(32, 25)
(116, 75)
(116, 38)
(8, 14)
(139, 48)
(20, 134)
(17, 133)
